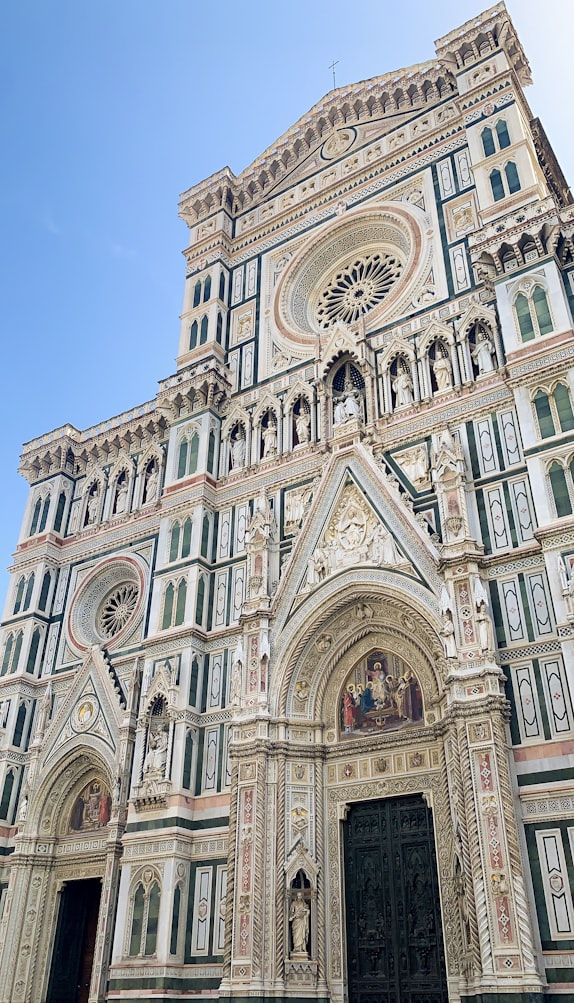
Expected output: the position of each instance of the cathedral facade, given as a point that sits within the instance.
(287, 660)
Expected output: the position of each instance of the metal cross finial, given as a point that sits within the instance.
(332, 67)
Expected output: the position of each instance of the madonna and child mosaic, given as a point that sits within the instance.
(381, 694)
(92, 808)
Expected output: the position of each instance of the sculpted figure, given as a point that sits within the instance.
(299, 920)
(483, 351)
(448, 634)
(269, 434)
(443, 372)
(303, 427)
(339, 412)
(403, 387)
(151, 484)
(121, 497)
(156, 756)
(238, 450)
(484, 627)
(92, 509)
(352, 407)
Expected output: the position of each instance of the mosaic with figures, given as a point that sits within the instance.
(382, 693)
(92, 808)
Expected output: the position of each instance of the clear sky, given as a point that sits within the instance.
(109, 111)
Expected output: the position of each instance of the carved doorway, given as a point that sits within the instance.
(75, 942)
(394, 930)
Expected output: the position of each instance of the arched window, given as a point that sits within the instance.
(187, 761)
(44, 516)
(219, 329)
(17, 650)
(28, 593)
(180, 603)
(7, 654)
(532, 313)
(174, 542)
(193, 453)
(35, 516)
(137, 922)
(203, 331)
(497, 185)
(487, 142)
(19, 726)
(59, 512)
(222, 287)
(193, 335)
(182, 459)
(210, 451)
(33, 651)
(197, 293)
(512, 178)
(200, 601)
(559, 487)
(207, 289)
(554, 411)
(7, 795)
(19, 595)
(46, 582)
(186, 538)
(152, 920)
(502, 135)
(167, 607)
(175, 920)
(205, 527)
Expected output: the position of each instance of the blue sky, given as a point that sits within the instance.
(109, 111)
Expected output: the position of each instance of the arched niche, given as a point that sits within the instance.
(345, 640)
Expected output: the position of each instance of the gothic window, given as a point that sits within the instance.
(487, 142)
(207, 289)
(357, 288)
(145, 915)
(200, 599)
(11, 655)
(58, 518)
(205, 529)
(19, 726)
(554, 411)
(188, 455)
(7, 795)
(35, 516)
(512, 179)
(46, 582)
(219, 328)
(203, 331)
(174, 600)
(489, 145)
(44, 515)
(175, 919)
(193, 335)
(19, 595)
(187, 762)
(532, 313)
(496, 185)
(33, 651)
(28, 593)
(210, 451)
(197, 293)
(222, 287)
(561, 478)
(174, 536)
(505, 182)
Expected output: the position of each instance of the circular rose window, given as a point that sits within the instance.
(107, 606)
(367, 263)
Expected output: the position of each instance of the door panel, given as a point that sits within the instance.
(394, 932)
(74, 943)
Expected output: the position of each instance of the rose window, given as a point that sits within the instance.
(117, 608)
(357, 288)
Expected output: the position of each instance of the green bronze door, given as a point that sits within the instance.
(394, 931)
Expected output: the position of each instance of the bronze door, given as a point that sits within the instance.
(394, 931)
(75, 942)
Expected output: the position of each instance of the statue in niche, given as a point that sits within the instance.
(447, 633)
(403, 387)
(236, 669)
(121, 499)
(23, 811)
(442, 370)
(151, 483)
(415, 463)
(156, 755)
(269, 434)
(484, 622)
(299, 920)
(483, 350)
(92, 506)
(382, 693)
(238, 446)
(318, 566)
(303, 427)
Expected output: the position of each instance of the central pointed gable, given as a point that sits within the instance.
(357, 519)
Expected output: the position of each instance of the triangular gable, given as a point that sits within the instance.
(357, 519)
(92, 708)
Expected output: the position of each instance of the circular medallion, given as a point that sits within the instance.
(85, 713)
(338, 143)
(357, 288)
(107, 606)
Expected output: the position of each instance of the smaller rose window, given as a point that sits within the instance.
(117, 608)
(357, 288)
